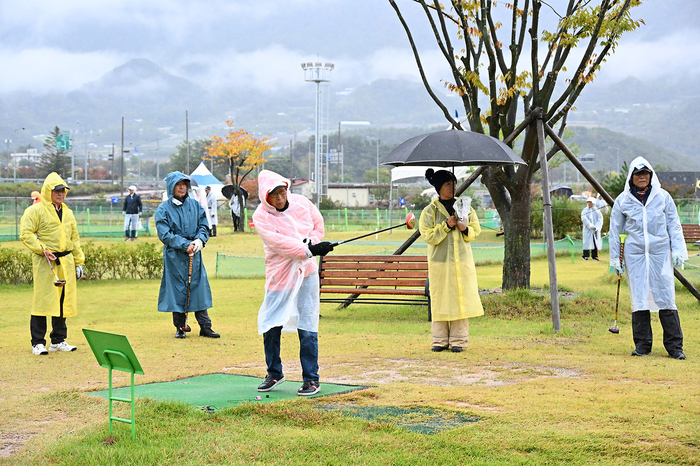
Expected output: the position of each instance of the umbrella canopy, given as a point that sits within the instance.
(227, 191)
(452, 148)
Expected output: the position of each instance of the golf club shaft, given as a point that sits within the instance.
(47, 260)
(369, 234)
(189, 282)
(619, 276)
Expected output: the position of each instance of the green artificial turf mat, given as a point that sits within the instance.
(217, 391)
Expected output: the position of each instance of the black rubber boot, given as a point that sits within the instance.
(673, 335)
(641, 333)
(208, 332)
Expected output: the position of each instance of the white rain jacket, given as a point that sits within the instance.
(654, 236)
(288, 261)
(57, 236)
(454, 292)
(592, 220)
(211, 207)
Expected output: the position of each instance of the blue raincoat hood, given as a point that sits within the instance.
(174, 178)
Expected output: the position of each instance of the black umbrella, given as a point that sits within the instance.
(452, 148)
(227, 191)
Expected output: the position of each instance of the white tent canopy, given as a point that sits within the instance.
(204, 178)
(400, 173)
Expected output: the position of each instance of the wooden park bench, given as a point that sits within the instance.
(385, 279)
(691, 233)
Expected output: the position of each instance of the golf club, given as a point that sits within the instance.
(615, 329)
(410, 224)
(186, 327)
(59, 281)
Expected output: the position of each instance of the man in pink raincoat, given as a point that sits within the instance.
(291, 229)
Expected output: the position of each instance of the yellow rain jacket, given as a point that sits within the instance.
(56, 236)
(454, 293)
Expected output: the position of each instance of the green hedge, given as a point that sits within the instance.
(118, 262)
(15, 266)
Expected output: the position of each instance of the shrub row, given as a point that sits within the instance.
(119, 262)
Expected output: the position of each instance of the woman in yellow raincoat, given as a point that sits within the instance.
(454, 294)
(50, 226)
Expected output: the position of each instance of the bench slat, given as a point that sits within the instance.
(371, 282)
(374, 274)
(403, 292)
(371, 258)
(691, 232)
(375, 266)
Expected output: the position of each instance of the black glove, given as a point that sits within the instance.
(321, 249)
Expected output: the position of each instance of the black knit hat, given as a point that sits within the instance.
(438, 178)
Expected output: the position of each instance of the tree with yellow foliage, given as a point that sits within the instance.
(243, 153)
(500, 55)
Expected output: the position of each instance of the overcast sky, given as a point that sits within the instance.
(61, 45)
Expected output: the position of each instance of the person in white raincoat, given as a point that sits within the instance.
(211, 207)
(291, 229)
(653, 246)
(592, 220)
(50, 226)
(454, 294)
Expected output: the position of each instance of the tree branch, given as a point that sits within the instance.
(437, 101)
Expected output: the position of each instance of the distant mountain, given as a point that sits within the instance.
(143, 79)
(611, 149)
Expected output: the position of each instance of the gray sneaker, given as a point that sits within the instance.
(63, 346)
(39, 350)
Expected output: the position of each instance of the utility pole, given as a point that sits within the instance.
(111, 156)
(121, 184)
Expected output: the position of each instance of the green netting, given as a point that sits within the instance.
(420, 420)
(254, 267)
(239, 267)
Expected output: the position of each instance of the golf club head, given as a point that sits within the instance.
(187, 328)
(614, 329)
(59, 283)
(410, 221)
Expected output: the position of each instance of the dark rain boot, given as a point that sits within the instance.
(641, 333)
(673, 336)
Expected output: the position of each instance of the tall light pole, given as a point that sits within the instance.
(319, 73)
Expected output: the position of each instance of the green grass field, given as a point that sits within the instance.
(542, 397)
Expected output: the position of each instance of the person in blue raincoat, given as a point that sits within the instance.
(183, 229)
(653, 246)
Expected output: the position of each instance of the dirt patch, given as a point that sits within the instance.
(10, 443)
(447, 373)
(378, 371)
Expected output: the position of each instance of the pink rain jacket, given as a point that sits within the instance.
(287, 257)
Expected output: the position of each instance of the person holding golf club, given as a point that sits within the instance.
(181, 223)
(291, 229)
(653, 246)
(454, 294)
(592, 220)
(132, 211)
(50, 231)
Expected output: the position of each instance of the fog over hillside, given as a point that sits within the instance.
(82, 67)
